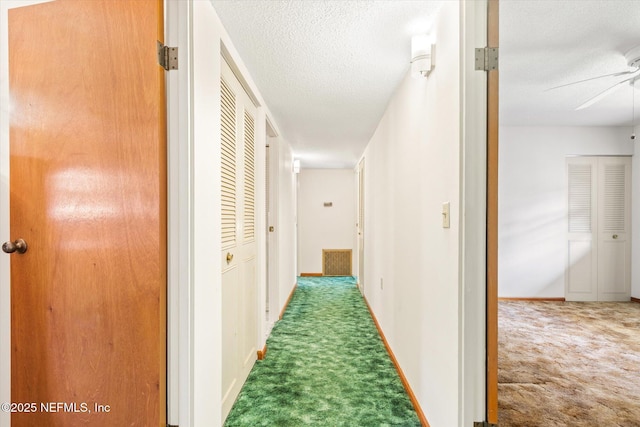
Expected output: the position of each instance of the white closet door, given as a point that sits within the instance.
(582, 251)
(360, 225)
(238, 257)
(614, 221)
(599, 235)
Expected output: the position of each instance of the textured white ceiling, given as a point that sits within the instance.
(327, 69)
(546, 43)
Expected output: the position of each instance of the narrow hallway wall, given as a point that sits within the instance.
(412, 263)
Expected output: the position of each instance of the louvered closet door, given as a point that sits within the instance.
(238, 258)
(599, 235)
(614, 221)
(582, 250)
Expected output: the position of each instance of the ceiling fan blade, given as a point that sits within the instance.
(621, 73)
(603, 94)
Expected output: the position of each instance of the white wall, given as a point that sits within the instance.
(412, 166)
(321, 227)
(532, 202)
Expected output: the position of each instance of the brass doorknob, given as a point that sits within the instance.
(615, 236)
(18, 245)
(229, 257)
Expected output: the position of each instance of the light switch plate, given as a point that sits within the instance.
(446, 221)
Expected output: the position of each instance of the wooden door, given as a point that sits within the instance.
(614, 229)
(87, 194)
(581, 282)
(239, 280)
(493, 110)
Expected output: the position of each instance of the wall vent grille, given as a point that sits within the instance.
(336, 262)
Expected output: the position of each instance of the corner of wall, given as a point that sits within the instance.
(635, 221)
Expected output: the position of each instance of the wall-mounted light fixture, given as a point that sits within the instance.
(422, 55)
(296, 166)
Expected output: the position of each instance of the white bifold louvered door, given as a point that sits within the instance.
(582, 256)
(599, 220)
(614, 234)
(238, 257)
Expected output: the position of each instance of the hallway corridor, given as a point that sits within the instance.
(326, 366)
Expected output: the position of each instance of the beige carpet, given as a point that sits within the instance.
(569, 364)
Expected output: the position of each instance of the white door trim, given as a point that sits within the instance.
(472, 244)
(178, 25)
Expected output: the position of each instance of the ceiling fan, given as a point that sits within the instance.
(631, 76)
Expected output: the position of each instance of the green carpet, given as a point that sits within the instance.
(325, 366)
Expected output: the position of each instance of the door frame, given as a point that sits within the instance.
(360, 207)
(178, 24)
(179, 327)
(472, 401)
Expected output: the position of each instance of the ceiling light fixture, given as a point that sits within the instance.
(422, 55)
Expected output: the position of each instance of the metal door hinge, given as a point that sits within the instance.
(167, 57)
(486, 58)
(484, 424)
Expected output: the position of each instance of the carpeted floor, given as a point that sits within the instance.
(569, 364)
(325, 366)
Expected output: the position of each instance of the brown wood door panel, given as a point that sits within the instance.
(88, 194)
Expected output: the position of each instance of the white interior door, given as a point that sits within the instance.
(268, 231)
(360, 225)
(272, 231)
(582, 251)
(238, 257)
(599, 238)
(614, 222)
